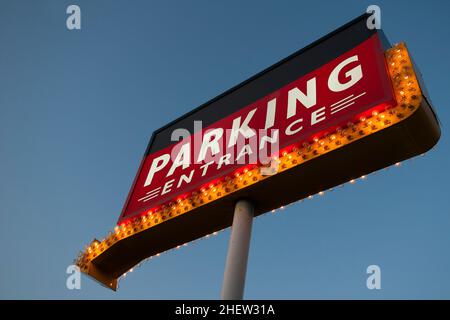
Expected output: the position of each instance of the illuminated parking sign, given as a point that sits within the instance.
(344, 106)
(318, 101)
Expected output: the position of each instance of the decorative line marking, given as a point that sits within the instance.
(150, 195)
(343, 107)
(338, 106)
(342, 100)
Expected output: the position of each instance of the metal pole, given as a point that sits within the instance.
(236, 264)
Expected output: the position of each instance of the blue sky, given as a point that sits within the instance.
(77, 109)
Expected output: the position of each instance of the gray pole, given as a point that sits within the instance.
(236, 265)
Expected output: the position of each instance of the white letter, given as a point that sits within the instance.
(167, 186)
(205, 167)
(183, 158)
(354, 74)
(307, 100)
(74, 20)
(213, 144)
(243, 128)
(245, 150)
(317, 116)
(374, 280)
(270, 114)
(157, 165)
(185, 178)
(289, 130)
(224, 160)
(266, 138)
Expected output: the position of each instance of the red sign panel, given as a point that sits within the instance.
(334, 94)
